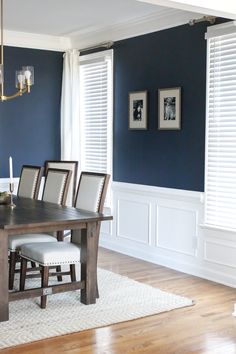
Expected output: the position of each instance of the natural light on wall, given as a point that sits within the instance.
(220, 163)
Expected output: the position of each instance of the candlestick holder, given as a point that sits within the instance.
(11, 187)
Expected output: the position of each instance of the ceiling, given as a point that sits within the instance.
(64, 24)
(226, 8)
(67, 17)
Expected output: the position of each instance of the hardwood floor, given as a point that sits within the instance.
(208, 327)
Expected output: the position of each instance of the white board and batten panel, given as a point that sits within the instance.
(163, 226)
(134, 225)
(177, 228)
(220, 253)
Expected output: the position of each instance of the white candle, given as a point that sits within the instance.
(10, 169)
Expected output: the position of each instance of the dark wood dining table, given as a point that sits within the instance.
(34, 216)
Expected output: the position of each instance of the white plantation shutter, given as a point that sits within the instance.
(220, 167)
(96, 112)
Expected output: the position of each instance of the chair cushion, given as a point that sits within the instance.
(51, 253)
(15, 242)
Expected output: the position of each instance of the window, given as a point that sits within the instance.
(220, 166)
(96, 93)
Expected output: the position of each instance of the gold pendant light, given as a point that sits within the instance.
(24, 77)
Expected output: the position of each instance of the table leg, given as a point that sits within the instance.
(89, 246)
(4, 309)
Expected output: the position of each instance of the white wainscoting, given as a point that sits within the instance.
(162, 226)
(4, 184)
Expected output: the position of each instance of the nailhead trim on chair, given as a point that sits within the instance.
(51, 263)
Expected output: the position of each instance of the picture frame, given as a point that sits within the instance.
(169, 108)
(138, 110)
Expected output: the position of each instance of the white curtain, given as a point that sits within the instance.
(70, 106)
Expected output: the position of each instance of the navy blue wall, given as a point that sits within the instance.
(168, 58)
(30, 125)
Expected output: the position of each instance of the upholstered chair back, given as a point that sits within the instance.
(91, 195)
(30, 179)
(66, 165)
(56, 186)
(91, 191)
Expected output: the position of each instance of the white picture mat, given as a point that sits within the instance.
(169, 124)
(137, 96)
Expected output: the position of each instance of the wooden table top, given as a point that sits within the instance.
(30, 213)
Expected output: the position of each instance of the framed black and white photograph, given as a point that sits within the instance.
(169, 108)
(138, 110)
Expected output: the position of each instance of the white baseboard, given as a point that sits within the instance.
(169, 262)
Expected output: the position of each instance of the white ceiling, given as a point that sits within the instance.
(81, 23)
(225, 8)
(65, 17)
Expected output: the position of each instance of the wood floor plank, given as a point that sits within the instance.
(206, 328)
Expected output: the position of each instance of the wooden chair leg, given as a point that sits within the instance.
(97, 292)
(23, 270)
(33, 264)
(58, 270)
(12, 267)
(72, 272)
(44, 284)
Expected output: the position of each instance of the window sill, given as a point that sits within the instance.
(216, 228)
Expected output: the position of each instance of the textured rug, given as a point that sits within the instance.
(121, 299)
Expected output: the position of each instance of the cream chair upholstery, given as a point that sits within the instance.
(66, 165)
(73, 167)
(90, 196)
(89, 192)
(55, 191)
(52, 254)
(30, 179)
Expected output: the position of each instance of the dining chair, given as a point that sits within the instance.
(73, 167)
(55, 191)
(66, 165)
(29, 183)
(90, 196)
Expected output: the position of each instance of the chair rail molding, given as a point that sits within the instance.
(163, 226)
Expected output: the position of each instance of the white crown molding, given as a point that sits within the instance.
(224, 8)
(164, 19)
(155, 22)
(36, 41)
(163, 12)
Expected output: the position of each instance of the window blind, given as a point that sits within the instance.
(220, 164)
(96, 112)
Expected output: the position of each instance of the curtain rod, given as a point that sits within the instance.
(210, 19)
(107, 45)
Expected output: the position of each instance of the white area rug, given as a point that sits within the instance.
(121, 299)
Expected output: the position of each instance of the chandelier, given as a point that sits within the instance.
(24, 77)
